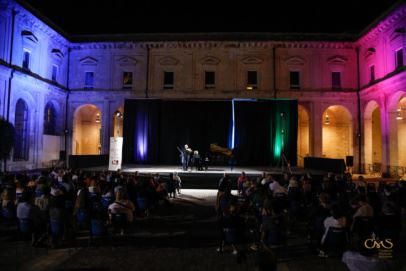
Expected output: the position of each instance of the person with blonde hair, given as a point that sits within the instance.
(122, 205)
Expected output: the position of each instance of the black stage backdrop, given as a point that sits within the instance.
(252, 132)
(160, 126)
(284, 122)
(141, 125)
(153, 129)
(194, 123)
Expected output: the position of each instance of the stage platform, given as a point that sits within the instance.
(194, 179)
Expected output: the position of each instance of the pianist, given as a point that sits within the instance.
(196, 160)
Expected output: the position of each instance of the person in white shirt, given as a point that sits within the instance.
(363, 207)
(275, 187)
(364, 260)
(336, 220)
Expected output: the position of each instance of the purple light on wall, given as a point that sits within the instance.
(141, 136)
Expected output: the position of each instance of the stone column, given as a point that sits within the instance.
(39, 131)
(367, 132)
(316, 136)
(106, 116)
(390, 145)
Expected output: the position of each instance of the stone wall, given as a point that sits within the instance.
(273, 60)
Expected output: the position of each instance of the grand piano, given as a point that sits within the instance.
(221, 156)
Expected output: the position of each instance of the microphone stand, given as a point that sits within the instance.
(283, 157)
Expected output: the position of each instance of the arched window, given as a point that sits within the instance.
(21, 145)
(49, 119)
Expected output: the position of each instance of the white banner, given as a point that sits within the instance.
(116, 149)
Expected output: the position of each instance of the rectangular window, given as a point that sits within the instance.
(127, 79)
(26, 60)
(294, 80)
(54, 73)
(168, 80)
(399, 58)
(336, 80)
(252, 80)
(89, 78)
(209, 79)
(372, 73)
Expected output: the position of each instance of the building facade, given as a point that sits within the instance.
(65, 94)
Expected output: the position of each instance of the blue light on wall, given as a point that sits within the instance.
(141, 138)
(232, 136)
(231, 142)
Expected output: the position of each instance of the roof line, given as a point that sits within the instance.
(380, 18)
(216, 36)
(44, 19)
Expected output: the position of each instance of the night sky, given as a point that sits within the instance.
(134, 16)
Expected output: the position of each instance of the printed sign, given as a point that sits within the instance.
(116, 148)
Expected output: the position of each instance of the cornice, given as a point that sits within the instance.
(26, 19)
(211, 45)
(383, 25)
(37, 21)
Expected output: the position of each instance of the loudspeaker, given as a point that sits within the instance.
(349, 161)
(385, 175)
(62, 155)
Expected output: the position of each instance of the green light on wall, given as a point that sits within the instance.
(278, 147)
(279, 134)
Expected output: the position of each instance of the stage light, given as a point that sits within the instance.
(327, 120)
(118, 114)
(249, 87)
(399, 114)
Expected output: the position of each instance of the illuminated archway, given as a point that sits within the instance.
(22, 128)
(118, 122)
(87, 130)
(401, 132)
(303, 148)
(372, 135)
(50, 119)
(337, 132)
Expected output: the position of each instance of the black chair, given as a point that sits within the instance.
(106, 201)
(336, 241)
(371, 188)
(8, 212)
(82, 218)
(119, 222)
(281, 201)
(69, 205)
(363, 227)
(293, 193)
(143, 205)
(316, 230)
(98, 229)
(276, 235)
(26, 228)
(231, 236)
(92, 196)
(56, 231)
